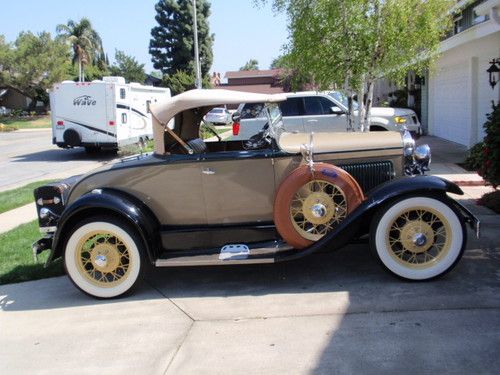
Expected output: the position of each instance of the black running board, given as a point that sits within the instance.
(258, 253)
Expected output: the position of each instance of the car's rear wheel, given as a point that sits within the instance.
(418, 238)
(102, 257)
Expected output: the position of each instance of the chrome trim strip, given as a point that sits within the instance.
(47, 229)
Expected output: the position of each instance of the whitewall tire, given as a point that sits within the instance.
(102, 257)
(418, 238)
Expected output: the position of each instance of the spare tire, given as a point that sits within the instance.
(309, 205)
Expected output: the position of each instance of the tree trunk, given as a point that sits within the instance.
(79, 69)
(361, 108)
(350, 110)
(368, 106)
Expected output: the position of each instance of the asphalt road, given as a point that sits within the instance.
(27, 156)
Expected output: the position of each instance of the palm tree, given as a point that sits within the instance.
(85, 41)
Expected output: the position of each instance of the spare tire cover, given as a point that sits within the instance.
(308, 205)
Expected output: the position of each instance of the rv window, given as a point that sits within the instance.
(122, 93)
(148, 103)
(124, 118)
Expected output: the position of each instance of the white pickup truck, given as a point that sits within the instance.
(313, 111)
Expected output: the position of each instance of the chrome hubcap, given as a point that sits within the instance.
(419, 239)
(101, 260)
(318, 210)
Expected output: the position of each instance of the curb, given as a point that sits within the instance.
(469, 183)
(32, 130)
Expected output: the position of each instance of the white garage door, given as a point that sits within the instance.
(451, 107)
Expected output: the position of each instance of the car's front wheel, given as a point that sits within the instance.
(418, 238)
(102, 256)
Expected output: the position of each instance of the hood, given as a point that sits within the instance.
(391, 112)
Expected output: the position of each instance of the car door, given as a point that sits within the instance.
(238, 186)
(319, 117)
(292, 111)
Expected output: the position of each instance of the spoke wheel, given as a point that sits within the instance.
(418, 238)
(102, 257)
(308, 205)
(316, 208)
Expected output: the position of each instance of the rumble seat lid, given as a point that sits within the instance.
(338, 142)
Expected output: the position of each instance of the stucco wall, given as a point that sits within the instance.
(459, 92)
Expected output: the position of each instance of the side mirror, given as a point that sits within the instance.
(336, 110)
(236, 117)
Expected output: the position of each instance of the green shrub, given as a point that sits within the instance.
(474, 159)
(490, 168)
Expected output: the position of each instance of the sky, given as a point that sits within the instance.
(242, 30)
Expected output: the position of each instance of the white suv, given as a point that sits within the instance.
(305, 112)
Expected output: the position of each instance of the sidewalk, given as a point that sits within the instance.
(18, 216)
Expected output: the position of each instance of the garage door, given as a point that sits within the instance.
(451, 108)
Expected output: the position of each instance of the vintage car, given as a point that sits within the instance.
(278, 196)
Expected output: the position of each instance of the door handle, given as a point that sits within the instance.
(312, 120)
(208, 171)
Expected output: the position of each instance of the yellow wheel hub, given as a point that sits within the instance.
(316, 208)
(419, 237)
(103, 259)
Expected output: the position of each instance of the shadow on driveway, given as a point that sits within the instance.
(64, 155)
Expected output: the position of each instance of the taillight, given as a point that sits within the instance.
(236, 128)
(60, 123)
(111, 123)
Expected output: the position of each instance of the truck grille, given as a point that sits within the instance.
(370, 174)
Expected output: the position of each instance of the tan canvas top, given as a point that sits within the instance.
(338, 142)
(167, 109)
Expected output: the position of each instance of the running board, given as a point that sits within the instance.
(229, 254)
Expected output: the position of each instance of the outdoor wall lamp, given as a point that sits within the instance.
(493, 72)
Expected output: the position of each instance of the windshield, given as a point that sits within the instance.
(276, 122)
(343, 100)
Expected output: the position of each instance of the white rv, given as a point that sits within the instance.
(102, 114)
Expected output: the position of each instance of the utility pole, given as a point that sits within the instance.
(196, 52)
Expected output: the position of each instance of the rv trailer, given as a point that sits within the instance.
(103, 114)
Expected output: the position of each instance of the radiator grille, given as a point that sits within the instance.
(370, 174)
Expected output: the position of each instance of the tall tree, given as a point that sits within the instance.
(33, 63)
(85, 41)
(251, 64)
(172, 41)
(128, 67)
(352, 43)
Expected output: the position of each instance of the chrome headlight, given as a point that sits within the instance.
(408, 143)
(422, 153)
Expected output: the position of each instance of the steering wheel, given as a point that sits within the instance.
(260, 140)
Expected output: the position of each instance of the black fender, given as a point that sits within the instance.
(118, 203)
(417, 185)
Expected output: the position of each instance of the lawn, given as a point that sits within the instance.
(34, 122)
(19, 197)
(17, 263)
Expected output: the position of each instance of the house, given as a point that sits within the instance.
(152, 80)
(455, 97)
(258, 81)
(12, 98)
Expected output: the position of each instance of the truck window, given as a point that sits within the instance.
(291, 107)
(122, 93)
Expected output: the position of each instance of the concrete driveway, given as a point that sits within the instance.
(330, 313)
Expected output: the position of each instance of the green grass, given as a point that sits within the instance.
(205, 133)
(16, 258)
(14, 198)
(34, 122)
